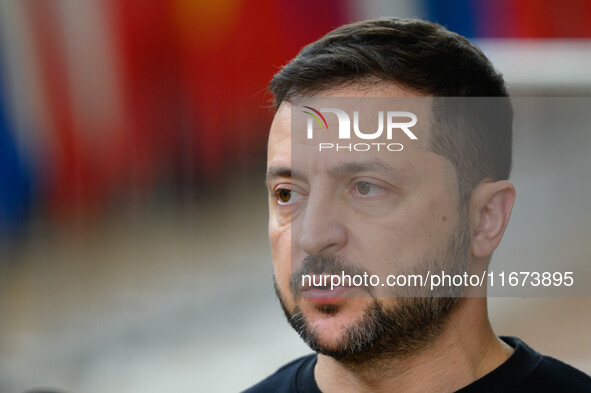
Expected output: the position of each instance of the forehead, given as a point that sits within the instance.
(366, 106)
(363, 93)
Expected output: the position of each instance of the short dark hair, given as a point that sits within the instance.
(423, 57)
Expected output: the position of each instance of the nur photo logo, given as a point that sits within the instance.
(390, 121)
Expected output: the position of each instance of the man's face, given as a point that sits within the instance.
(383, 212)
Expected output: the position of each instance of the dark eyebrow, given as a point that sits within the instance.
(364, 166)
(275, 172)
(339, 170)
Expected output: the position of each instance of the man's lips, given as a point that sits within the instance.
(321, 295)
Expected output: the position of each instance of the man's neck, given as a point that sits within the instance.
(467, 350)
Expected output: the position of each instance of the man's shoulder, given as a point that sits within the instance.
(553, 375)
(545, 373)
(525, 371)
(284, 379)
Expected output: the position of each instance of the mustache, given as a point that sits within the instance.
(329, 264)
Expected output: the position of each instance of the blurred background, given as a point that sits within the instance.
(133, 248)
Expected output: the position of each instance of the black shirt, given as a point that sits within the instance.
(525, 371)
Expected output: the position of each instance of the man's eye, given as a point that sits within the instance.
(285, 196)
(367, 189)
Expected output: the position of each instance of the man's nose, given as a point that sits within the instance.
(322, 231)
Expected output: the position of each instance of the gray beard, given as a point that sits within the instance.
(381, 334)
(411, 324)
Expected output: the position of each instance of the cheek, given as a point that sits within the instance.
(280, 239)
(409, 236)
(429, 228)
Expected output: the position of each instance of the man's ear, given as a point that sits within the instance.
(490, 210)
